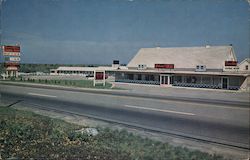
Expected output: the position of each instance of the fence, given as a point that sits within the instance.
(138, 81)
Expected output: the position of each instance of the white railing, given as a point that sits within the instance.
(219, 86)
(197, 85)
(138, 81)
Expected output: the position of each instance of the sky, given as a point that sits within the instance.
(98, 31)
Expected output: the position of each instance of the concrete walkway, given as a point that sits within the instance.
(216, 94)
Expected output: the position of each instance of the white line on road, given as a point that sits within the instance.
(42, 95)
(160, 110)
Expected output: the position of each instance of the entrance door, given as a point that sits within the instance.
(165, 79)
(224, 82)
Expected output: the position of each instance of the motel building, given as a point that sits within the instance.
(86, 71)
(213, 67)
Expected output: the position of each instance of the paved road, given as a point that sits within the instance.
(222, 123)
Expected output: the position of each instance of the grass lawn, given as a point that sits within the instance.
(74, 83)
(25, 135)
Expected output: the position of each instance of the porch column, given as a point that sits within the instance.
(104, 78)
(160, 80)
(168, 80)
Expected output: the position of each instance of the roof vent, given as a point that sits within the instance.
(208, 46)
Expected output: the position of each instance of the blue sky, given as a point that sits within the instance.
(98, 31)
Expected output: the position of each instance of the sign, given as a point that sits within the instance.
(7, 64)
(99, 76)
(12, 59)
(12, 68)
(11, 48)
(11, 53)
(164, 66)
(230, 63)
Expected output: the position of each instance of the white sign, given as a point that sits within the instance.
(11, 53)
(11, 68)
(16, 59)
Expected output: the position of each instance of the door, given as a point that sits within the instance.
(164, 80)
(171, 79)
(224, 83)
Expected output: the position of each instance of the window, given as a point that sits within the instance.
(152, 77)
(189, 79)
(130, 76)
(142, 66)
(177, 79)
(246, 67)
(200, 68)
(139, 76)
(206, 80)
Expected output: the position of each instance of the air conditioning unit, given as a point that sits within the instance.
(142, 66)
(200, 68)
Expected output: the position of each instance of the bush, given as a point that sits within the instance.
(74, 136)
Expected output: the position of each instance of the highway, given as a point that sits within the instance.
(212, 121)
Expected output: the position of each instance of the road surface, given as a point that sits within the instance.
(219, 121)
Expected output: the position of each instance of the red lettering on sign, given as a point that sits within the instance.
(11, 48)
(230, 63)
(164, 66)
(11, 64)
(99, 76)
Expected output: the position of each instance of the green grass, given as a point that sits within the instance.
(27, 135)
(73, 83)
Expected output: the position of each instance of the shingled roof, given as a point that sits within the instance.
(213, 57)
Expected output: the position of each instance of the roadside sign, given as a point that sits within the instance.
(12, 59)
(7, 64)
(12, 68)
(99, 77)
(11, 48)
(11, 53)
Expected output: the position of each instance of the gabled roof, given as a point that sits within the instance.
(213, 57)
(245, 60)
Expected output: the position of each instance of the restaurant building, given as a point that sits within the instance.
(201, 67)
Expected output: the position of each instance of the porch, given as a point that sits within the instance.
(203, 81)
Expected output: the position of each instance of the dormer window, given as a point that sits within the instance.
(142, 66)
(200, 68)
